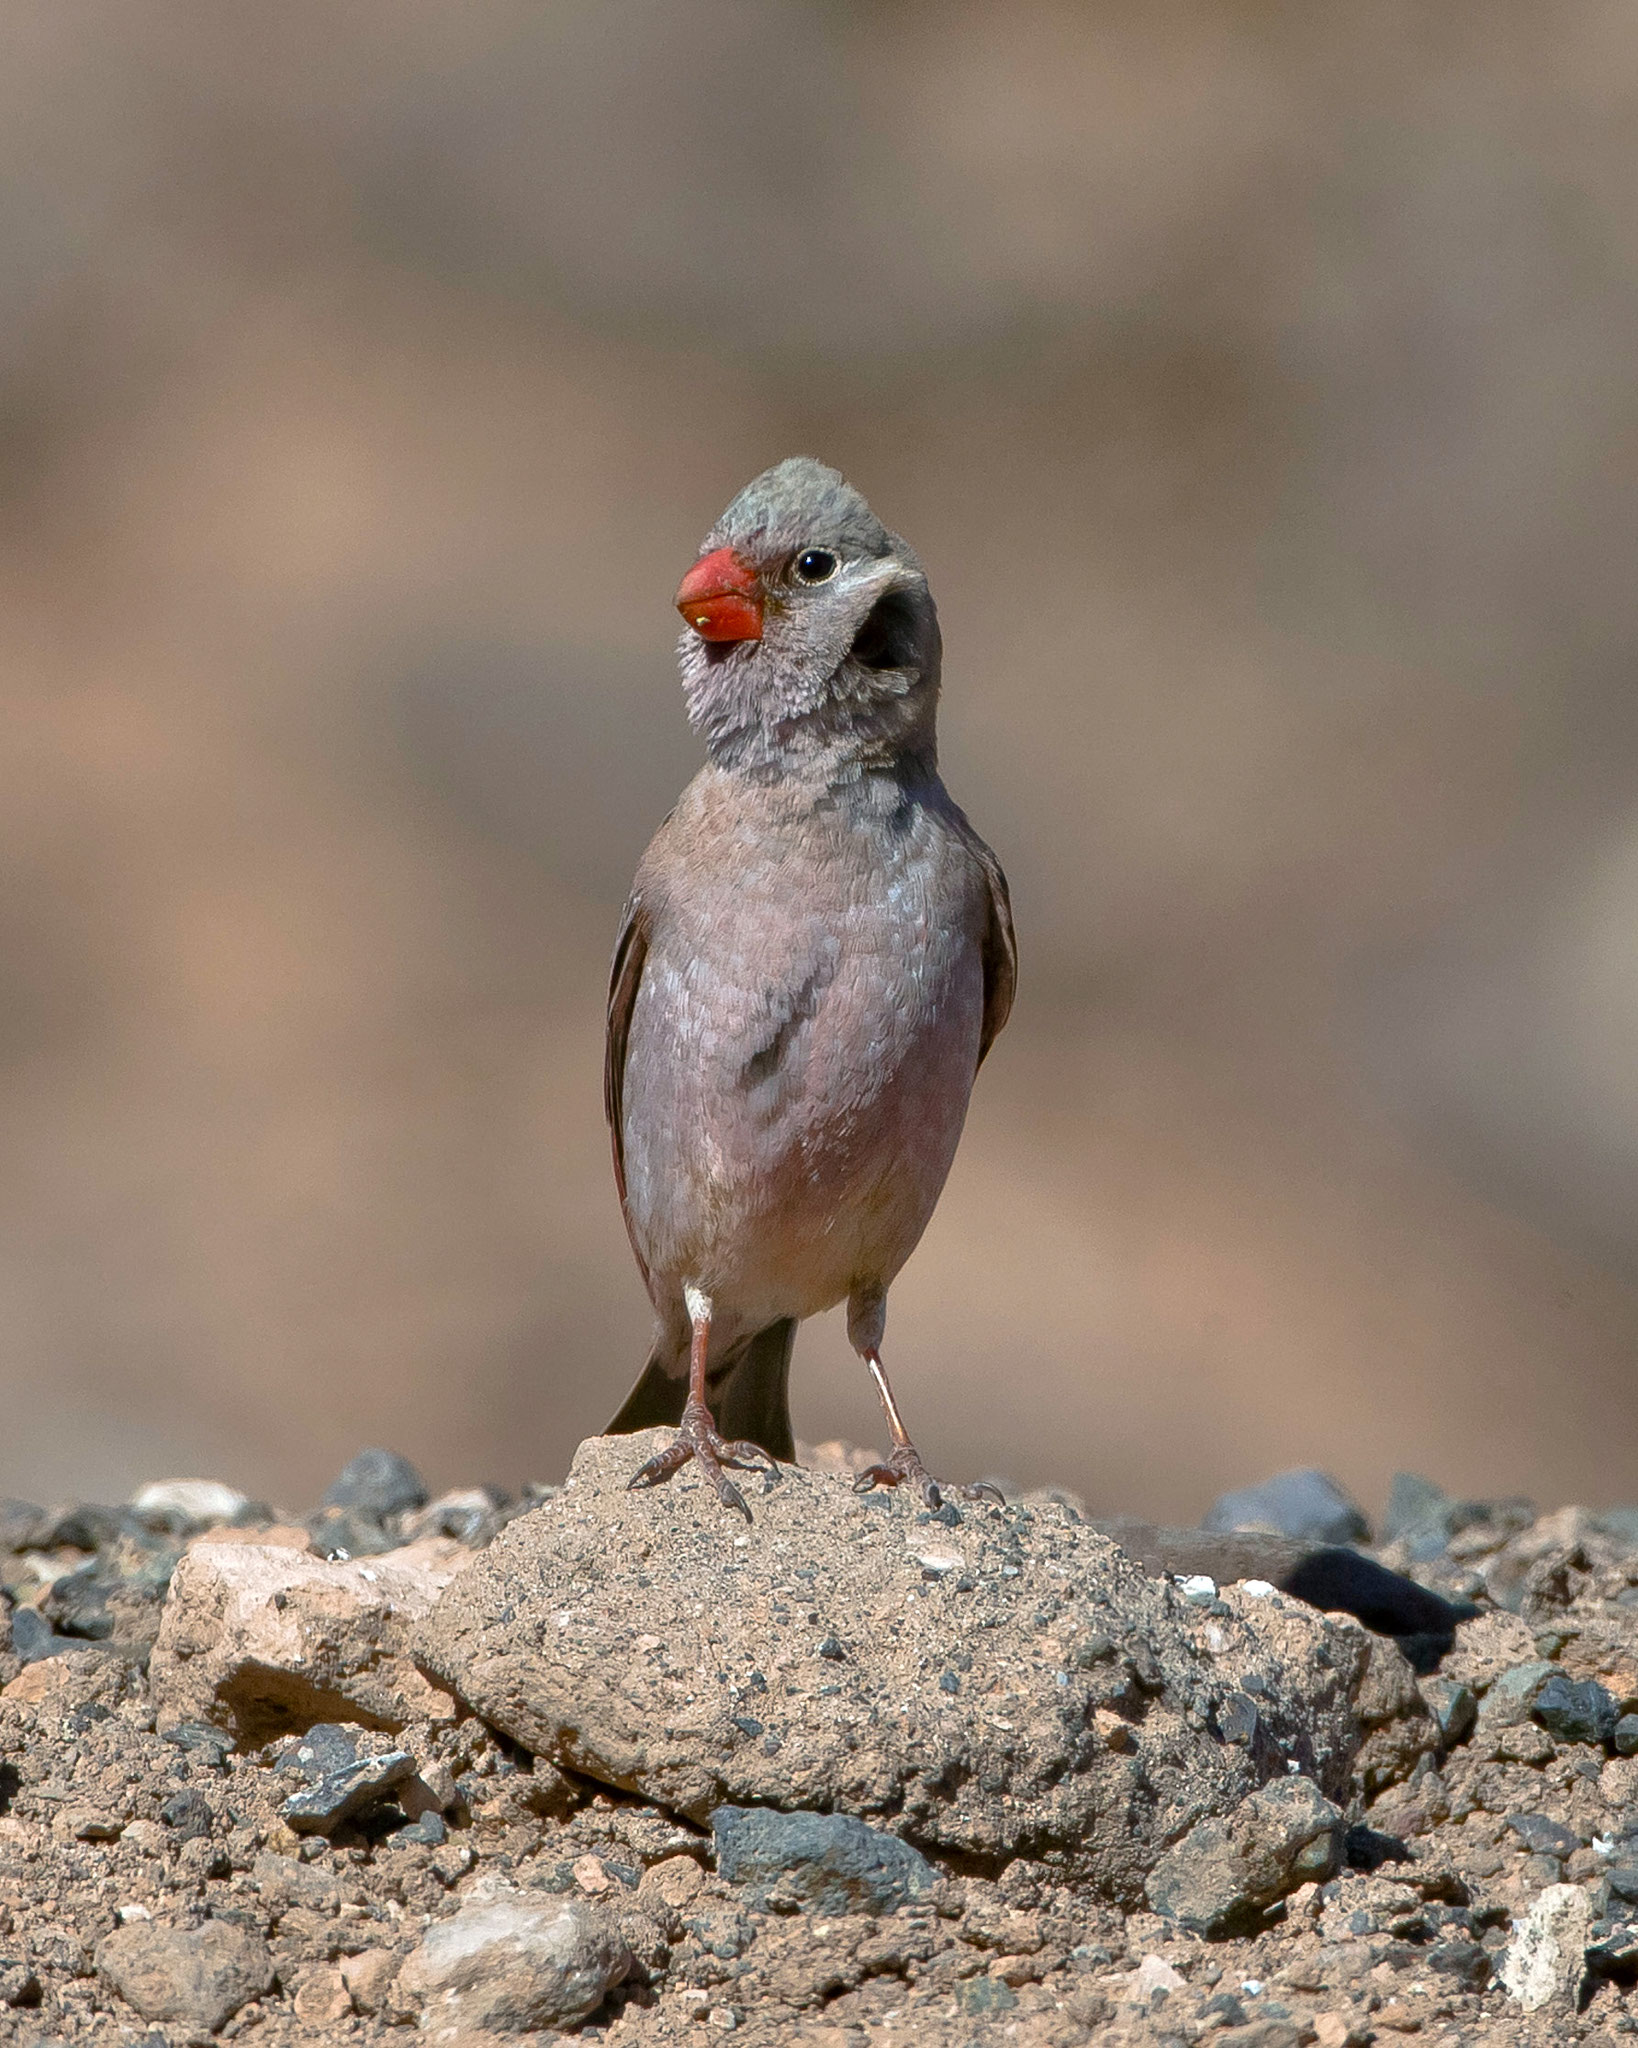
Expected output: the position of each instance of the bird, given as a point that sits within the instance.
(815, 958)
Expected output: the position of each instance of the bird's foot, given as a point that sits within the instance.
(697, 1438)
(904, 1468)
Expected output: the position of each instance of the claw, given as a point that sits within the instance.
(904, 1468)
(697, 1438)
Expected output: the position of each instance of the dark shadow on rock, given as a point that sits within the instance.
(1328, 1576)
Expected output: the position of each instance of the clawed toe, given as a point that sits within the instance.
(746, 1457)
(884, 1475)
(660, 1467)
(697, 1439)
(904, 1468)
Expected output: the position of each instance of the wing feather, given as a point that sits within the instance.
(625, 977)
(1000, 947)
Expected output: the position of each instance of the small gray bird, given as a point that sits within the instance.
(815, 958)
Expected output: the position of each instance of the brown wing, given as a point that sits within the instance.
(630, 951)
(1000, 948)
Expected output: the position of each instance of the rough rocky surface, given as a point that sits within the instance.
(998, 1682)
(152, 1885)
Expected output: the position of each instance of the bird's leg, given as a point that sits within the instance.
(867, 1319)
(697, 1436)
(903, 1466)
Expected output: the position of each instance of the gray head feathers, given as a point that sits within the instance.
(801, 502)
(845, 675)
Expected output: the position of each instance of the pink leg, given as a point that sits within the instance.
(697, 1436)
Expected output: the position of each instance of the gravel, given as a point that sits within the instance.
(1454, 1860)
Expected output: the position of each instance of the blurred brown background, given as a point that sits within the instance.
(1256, 381)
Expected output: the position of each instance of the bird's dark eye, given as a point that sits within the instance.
(814, 565)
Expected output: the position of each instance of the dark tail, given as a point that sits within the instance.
(748, 1395)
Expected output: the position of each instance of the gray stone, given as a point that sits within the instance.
(77, 1604)
(1421, 1518)
(1575, 1711)
(339, 1795)
(1512, 1694)
(820, 1862)
(1463, 1964)
(119, 1596)
(982, 1995)
(511, 1961)
(342, 1533)
(378, 1483)
(199, 1976)
(209, 1745)
(1615, 1949)
(471, 1514)
(629, 1637)
(1224, 1874)
(1625, 1738)
(18, 1984)
(1415, 1504)
(20, 1522)
(82, 1526)
(1302, 1503)
(188, 1815)
(327, 1746)
(1543, 1837)
(1453, 1707)
(430, 1830)
(33, 1637)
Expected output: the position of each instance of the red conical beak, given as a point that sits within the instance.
(721, 597)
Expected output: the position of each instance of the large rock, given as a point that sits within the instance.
(199, 1976)
(1011, 1684)
(261, 1639)
(511, 1962)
